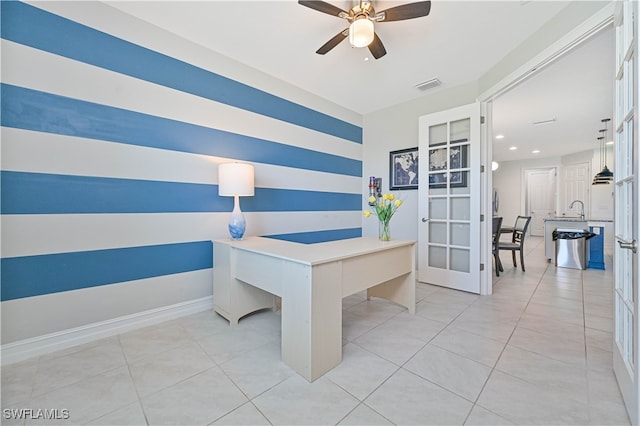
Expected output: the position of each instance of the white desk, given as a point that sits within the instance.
(311, 279)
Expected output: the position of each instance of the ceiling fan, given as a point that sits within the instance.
(361, 18)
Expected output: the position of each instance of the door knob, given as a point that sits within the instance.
(629, 246)
(425, 219)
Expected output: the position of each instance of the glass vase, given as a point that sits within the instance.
(384, 232)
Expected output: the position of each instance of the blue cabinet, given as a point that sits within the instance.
(596, 248)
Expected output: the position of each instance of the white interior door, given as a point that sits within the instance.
(449, 198)
(541, 198)
(625, 347)
(576, 184)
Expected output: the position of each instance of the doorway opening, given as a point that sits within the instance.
(539, 116)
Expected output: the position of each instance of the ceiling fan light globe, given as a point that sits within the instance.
(361, 32)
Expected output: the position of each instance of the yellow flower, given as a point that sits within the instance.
(372, 199)
(386, 196)
(397, 203)
(366, 213)
(391, 197)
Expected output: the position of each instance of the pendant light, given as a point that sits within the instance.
(605, 176)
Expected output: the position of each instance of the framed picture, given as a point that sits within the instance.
(439, 161)
(403, 169)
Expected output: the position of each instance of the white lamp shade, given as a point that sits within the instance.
(361, 32)
(235, 179)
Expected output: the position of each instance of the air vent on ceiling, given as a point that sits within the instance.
(549, 121)
(429, 84)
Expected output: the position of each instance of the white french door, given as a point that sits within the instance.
(449, 198)
(626, 315)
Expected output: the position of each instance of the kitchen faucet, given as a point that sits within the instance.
(581, 208)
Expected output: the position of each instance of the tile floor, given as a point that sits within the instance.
(538, 351)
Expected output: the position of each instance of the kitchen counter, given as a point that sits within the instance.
(576, 219)
(550, 224)
(573, 222)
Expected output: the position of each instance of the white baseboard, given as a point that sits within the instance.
(29, 348)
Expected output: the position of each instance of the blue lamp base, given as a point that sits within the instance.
(237, 222)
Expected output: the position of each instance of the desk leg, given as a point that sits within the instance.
(233, 298)
(244, 300)
(401, 290)
(312, 319)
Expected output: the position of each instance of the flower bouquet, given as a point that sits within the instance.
(383, 208)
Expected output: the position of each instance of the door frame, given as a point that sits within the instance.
(581, 33)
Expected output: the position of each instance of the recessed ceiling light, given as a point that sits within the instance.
(513, 148)
(609, 143)
(499, 136)
(535, 151)
(366, 58)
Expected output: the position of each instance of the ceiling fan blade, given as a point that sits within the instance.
(405, 11)
(323, 7)
(377, 48)
(333, 42)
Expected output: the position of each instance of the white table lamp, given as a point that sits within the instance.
(236, 180)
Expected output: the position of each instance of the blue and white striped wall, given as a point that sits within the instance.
(110, 142)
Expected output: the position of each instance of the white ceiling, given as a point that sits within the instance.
(575, 90)
(457, 43)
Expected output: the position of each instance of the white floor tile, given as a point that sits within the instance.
(360, 371)
(407, 399)
(89, 398)
(376, 311)
(198, 400)
(552, 327)
(392, 346)
(555, 347)
(483, 417)
(354, 325)
(455, 373)
(548, 373)
(537, 351)
(522, 402)
(56, 372)
(153, 340)
(234, 341)
(296, 401)
(478, 348)
(444, 313)
(17, 382)
(153, 373)
(257, 370)
(130, 415)
(247, 415)
(599, 339)
(362, 415)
